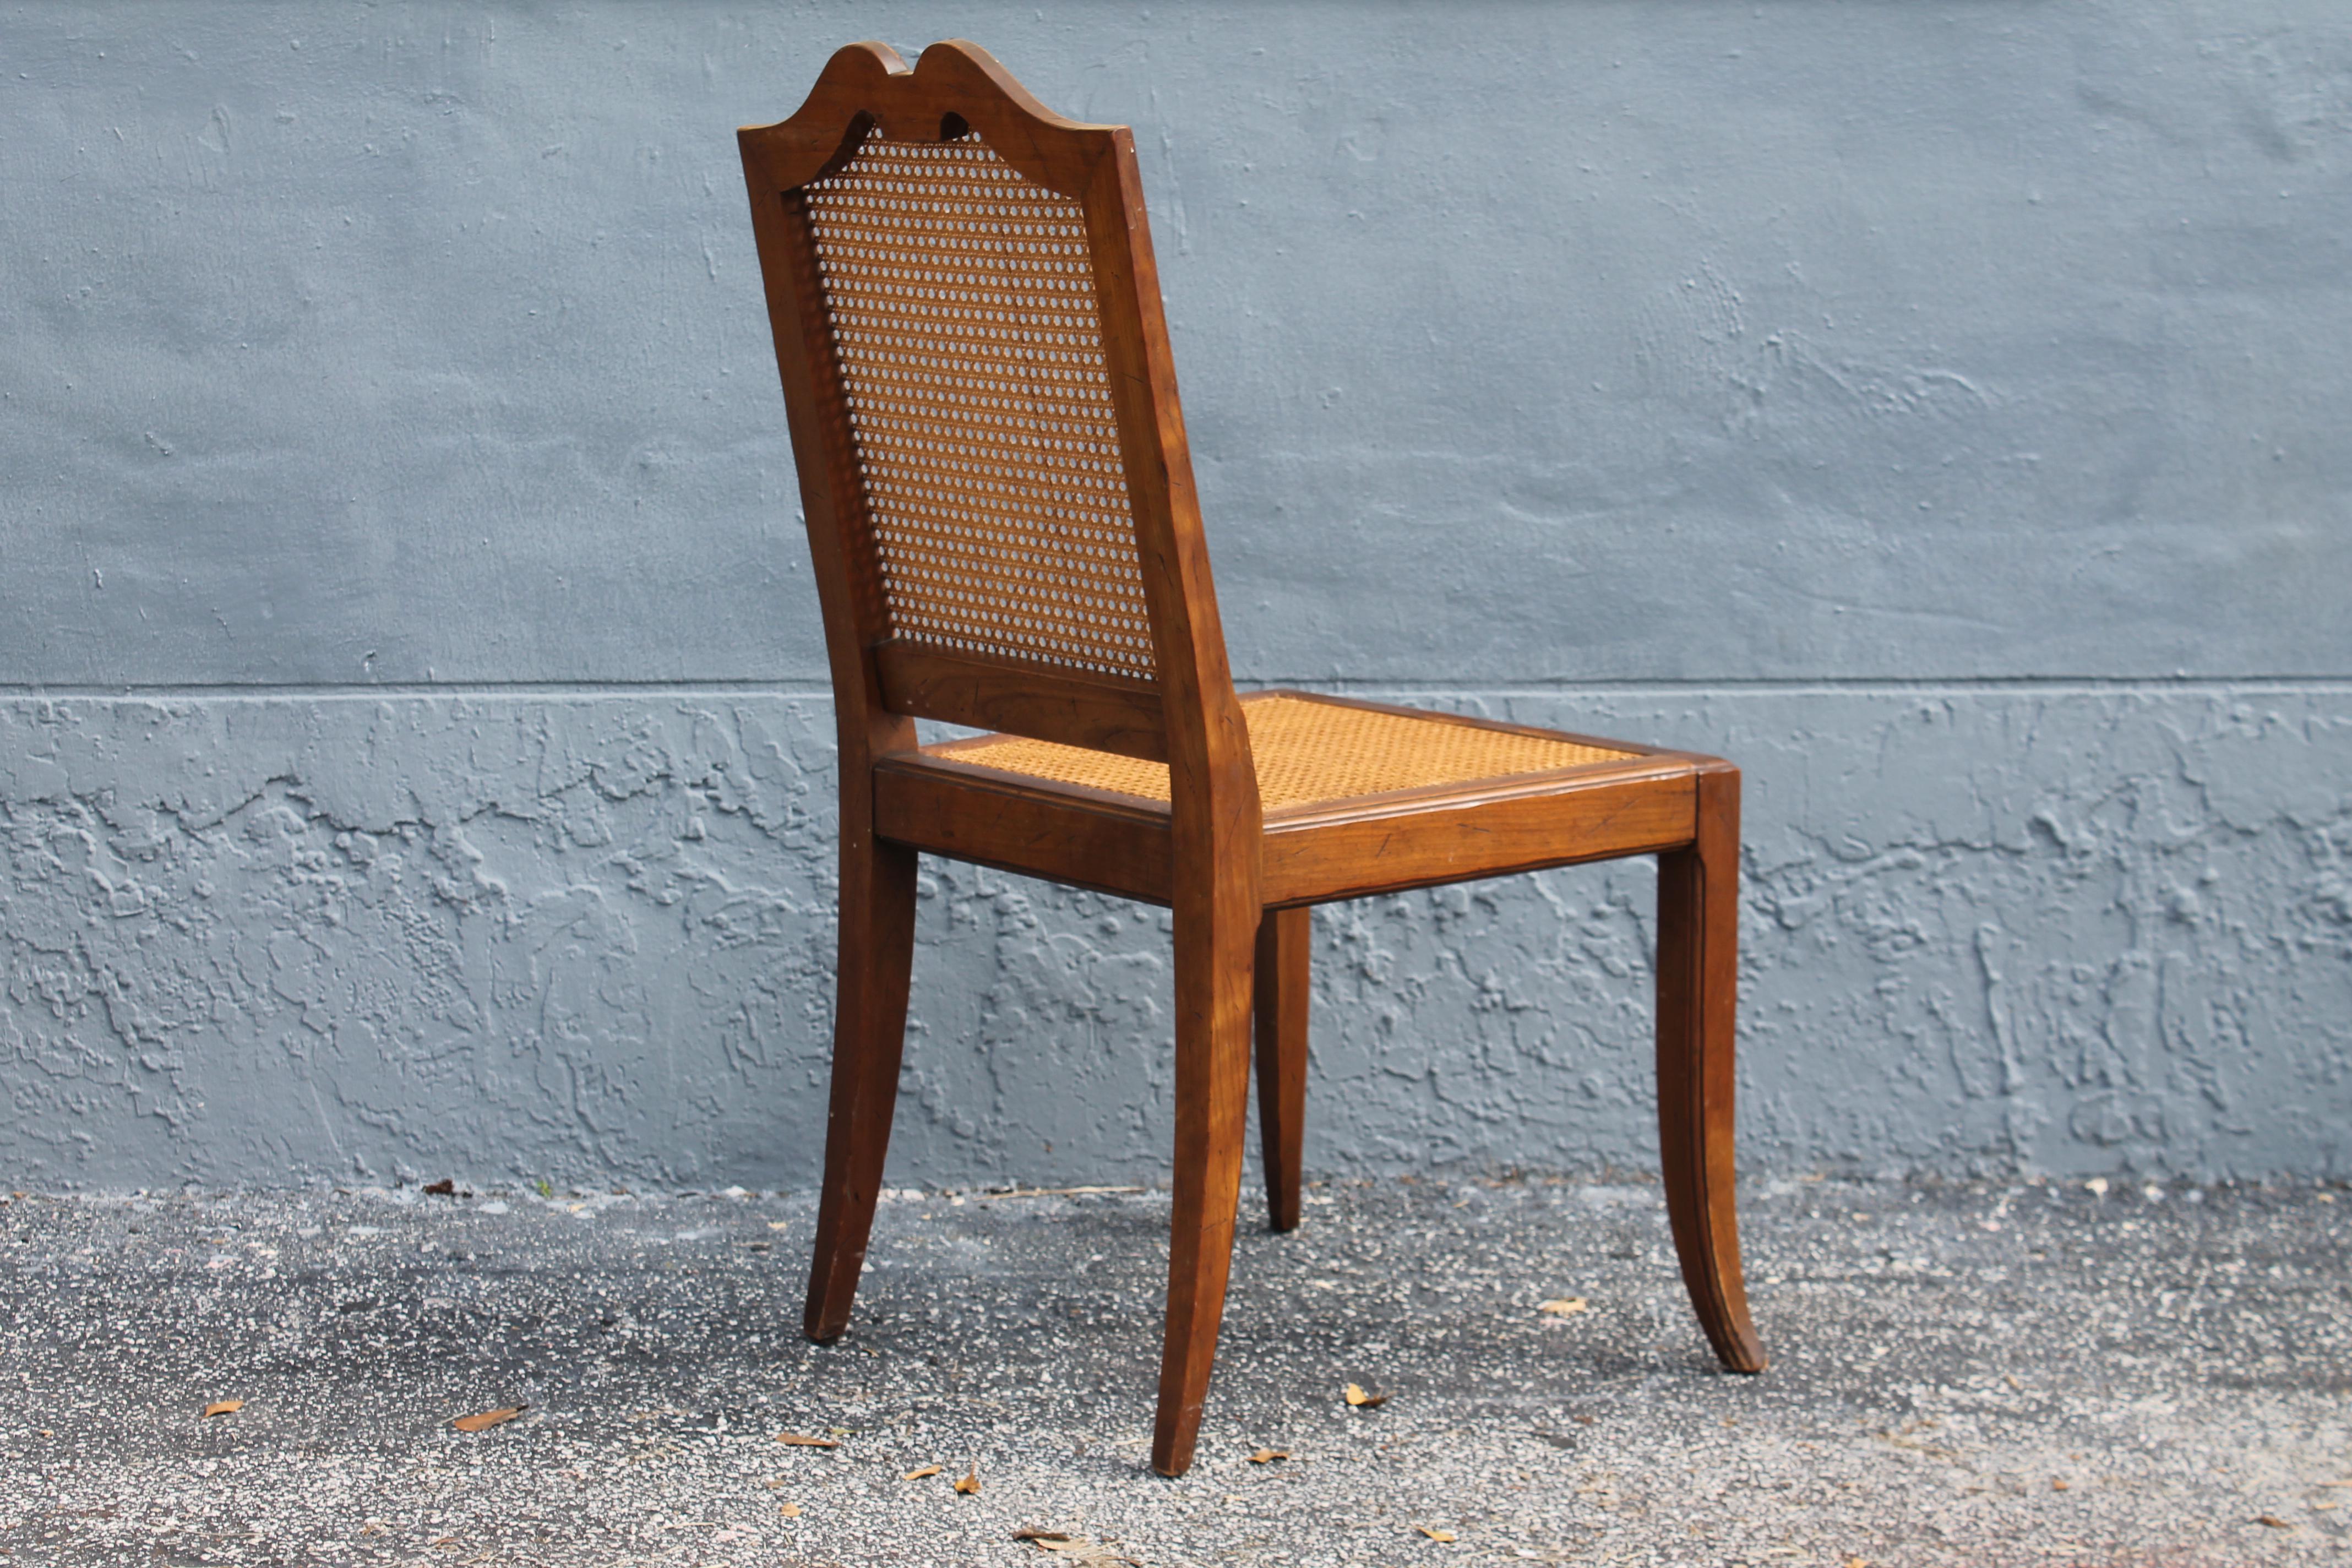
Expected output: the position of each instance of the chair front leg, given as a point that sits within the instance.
(1698, 976)
(869, 1033)
(1284, 938)
(1213, 1057)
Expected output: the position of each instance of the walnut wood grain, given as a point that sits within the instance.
(1109, 845)
(1699, 974)
(1022, 697)
(1389, 844)
(869, 1032)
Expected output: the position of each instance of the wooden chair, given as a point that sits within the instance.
(1001, 508)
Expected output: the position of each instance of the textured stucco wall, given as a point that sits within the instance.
(413, 744)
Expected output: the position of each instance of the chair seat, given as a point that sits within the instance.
(1315, 751)
(1359, 798)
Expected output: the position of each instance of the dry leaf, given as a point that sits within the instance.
(2274, 1521)
(918, 1475)
(1435, 1534)
(444, 1188)
(489, 1418)
(1856, 1563)
(224, 1408)
(1268, 1455)
(1357, 1396)
(970, 1485)
(790, 1510)
(777, 1224)
(2057, 1486)
(803, 1440)
(1041, 1536)
(1562, 1307)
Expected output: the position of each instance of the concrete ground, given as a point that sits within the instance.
(1987, 1374)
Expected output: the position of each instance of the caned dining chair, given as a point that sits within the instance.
(1001, 510)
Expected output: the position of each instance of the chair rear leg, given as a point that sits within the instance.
(1698, 935)
(869, 1032)
(1284, 938)
(1213, 1053)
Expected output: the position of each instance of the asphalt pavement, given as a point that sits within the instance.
(2029, 1372)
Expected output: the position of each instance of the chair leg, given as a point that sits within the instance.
(1213, 1051)
(1698, 934)
(1284, 938)
(869, 1032)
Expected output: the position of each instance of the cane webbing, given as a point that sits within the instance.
(1310, 753)
(961, 300)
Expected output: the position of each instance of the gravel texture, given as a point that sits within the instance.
(1985, 1375)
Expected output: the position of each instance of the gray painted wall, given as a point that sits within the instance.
(414, 751)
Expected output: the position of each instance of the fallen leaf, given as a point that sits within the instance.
(2057, 1486)
(790, 1510)
(1563, 1305)
(1855, 1563)
(918, 1475)
(489, 1418)
(803, 1440)
(2274, 1521)
(222, 1408)
(1357, 1396)
(444, 1188)
(1041, 1536)
(970, 1485)
(1435, 1534)
(2010, 1379)
(776, 1225)
(374, 1527)
(1268, 1455)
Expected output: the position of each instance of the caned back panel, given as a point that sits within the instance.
(961, 303)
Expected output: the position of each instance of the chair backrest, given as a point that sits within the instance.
(983, 410)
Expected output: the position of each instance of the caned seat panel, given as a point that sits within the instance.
(1310, 752)
(967, 337)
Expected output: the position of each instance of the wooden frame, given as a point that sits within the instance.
(1239, 879)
